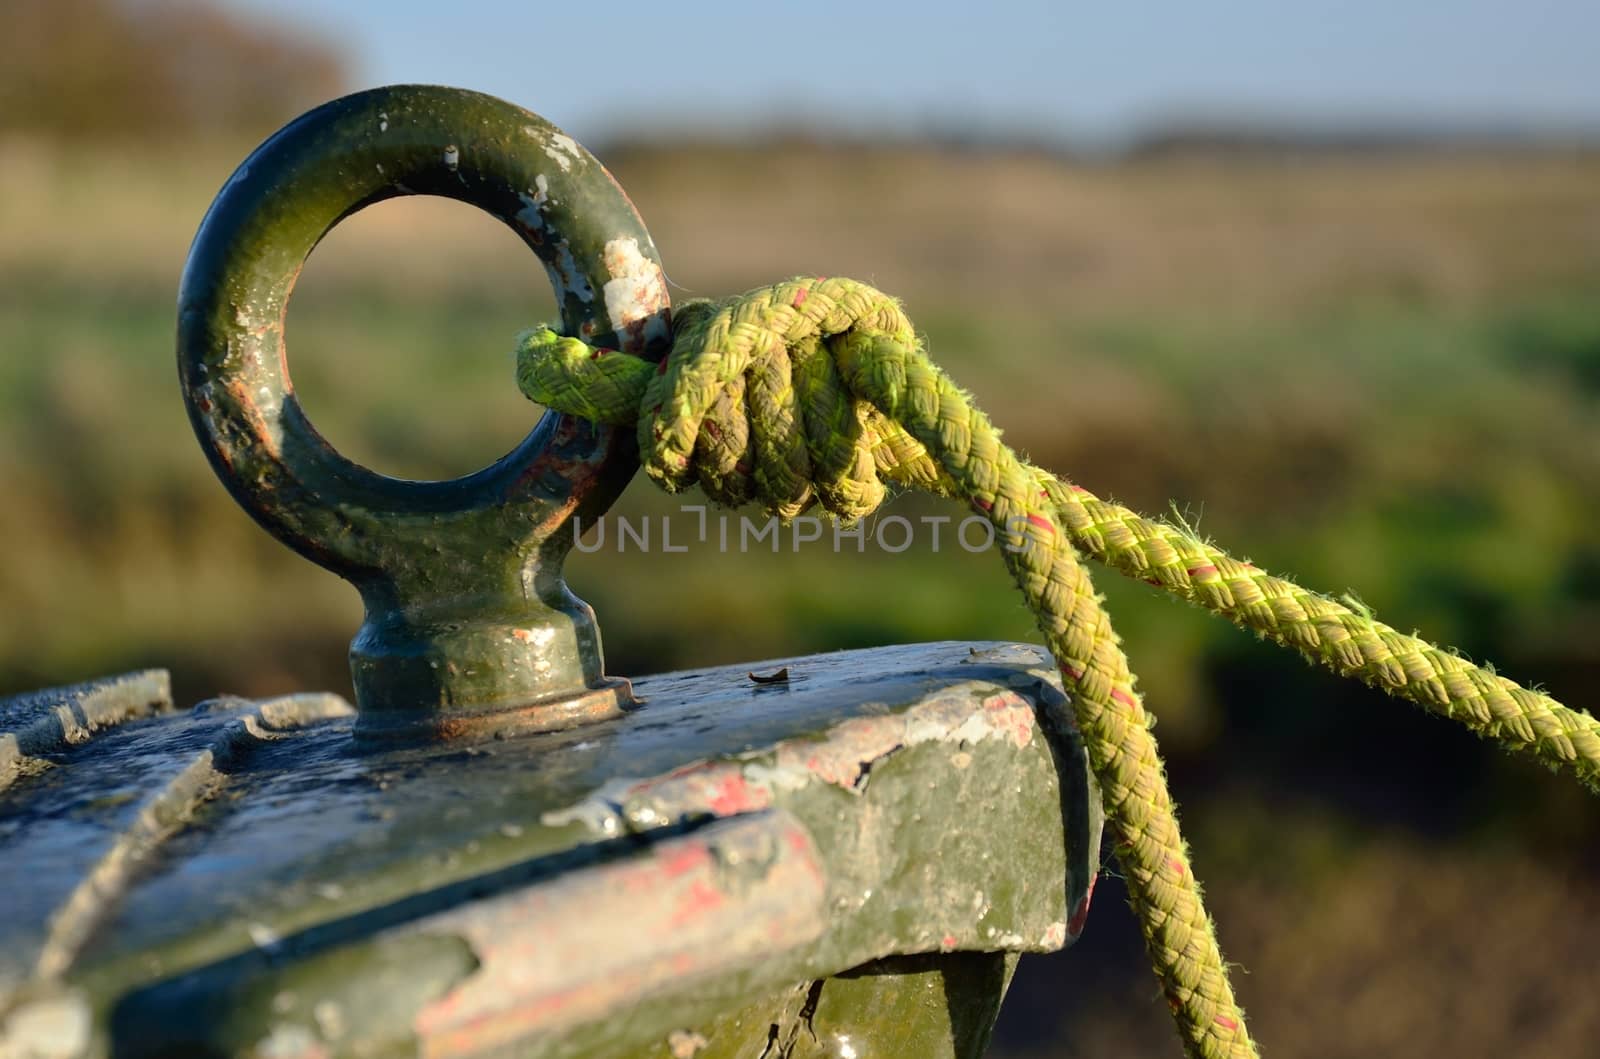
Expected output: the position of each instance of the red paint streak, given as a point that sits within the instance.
(1080, 917)
(981, 504)
(450, 1032)
(683, 860)
(1123, 697)
(733, 795)
(1204, 570)
(1077, 489)
(948, 942)
(1042, 522)
(1176, 865)
(1226, 1023)
(701, 899)
(1070, 673)
(800, 297)
(1080, 914)
(661, 369)
(1011, 715)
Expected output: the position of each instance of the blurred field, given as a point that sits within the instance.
(1374, 373)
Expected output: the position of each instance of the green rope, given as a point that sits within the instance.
(817, 390)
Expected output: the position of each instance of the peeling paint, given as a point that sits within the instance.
(667, 917)
(835, 813)
(290, 1041)
(534, 200)
(540, 636)
(844, 758)
(601, 812)
(52, 1027)
(567, 278)
(330, 1019)
(685, 1044)
(564, 150)
(637, 289)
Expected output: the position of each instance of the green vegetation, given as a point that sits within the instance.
(1375, 375)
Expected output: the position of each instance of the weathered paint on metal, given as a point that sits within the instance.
(469, 625)
(685, 909)
(625, 888)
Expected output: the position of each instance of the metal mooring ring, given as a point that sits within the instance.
(468, 621)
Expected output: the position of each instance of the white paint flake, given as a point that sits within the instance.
(55, 1027)
(636, 290)
(564, 150)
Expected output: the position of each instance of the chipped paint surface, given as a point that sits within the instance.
(896, 801)
(685, 910)
(636, 291)
(52, 1027)
(685, 1044)
(567, 277)
(843, 759)
(564, 150)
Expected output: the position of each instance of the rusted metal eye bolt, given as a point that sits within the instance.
(469, 627)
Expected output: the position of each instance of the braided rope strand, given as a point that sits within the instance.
(815, 390)
(1330, 633)
(1110, 715)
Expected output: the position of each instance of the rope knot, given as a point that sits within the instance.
(762, 397)
(817, 390)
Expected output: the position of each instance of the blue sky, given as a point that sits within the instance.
(1063, 69)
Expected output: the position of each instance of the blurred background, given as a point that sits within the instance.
(1321, 276)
